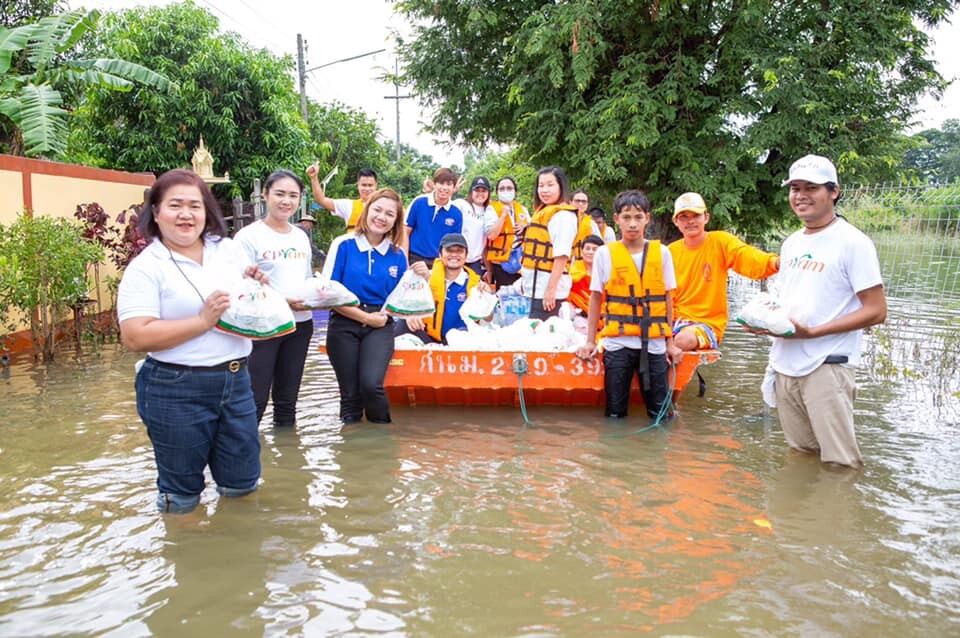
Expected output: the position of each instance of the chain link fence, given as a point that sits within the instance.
(916, 230)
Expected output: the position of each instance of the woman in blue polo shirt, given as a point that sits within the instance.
(369, 263)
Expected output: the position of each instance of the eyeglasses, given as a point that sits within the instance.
(580, 201)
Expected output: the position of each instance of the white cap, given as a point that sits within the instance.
(689, 201)
(815, 169)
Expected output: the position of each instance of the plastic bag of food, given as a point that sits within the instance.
(764, 312)
(411, 298)
(257, 312)
(322, 292)
(513, 306)
(407, 341)
(479, 305)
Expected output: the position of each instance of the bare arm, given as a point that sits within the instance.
(317, 188)
(872, 312)
(149, 334)
(674, 354)
(405, 242)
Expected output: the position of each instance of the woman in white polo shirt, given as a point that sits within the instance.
(369, 263)
(283, 253)
(193, 389)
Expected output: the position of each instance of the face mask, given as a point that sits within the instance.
(506, 196)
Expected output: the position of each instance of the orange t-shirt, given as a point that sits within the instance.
(701, 293)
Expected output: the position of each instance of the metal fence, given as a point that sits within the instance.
(246, 212)
(916, 230)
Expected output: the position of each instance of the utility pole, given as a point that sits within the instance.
(302, 72)
(396, 96)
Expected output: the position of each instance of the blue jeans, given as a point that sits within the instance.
(197, 419)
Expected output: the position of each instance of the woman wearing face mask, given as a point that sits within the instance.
(548, 244)
(284, 254)
(369, 263)
(506, 233)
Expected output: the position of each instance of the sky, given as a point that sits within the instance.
(335, 30)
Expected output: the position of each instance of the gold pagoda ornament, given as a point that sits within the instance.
(203, 166)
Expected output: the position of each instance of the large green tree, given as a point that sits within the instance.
(716, 96)
(937, 156)
(37, 61)
(240, 99)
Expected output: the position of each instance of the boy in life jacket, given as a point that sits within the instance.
(346, 209)
(630, 290)
(702, 260)
(580, 273)
(450, 283)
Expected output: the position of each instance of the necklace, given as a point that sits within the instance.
(833, 219)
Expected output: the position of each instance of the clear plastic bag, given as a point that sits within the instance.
(411, 298)
(257, 312)
(764, 312)
(478, 306)
(323, 292)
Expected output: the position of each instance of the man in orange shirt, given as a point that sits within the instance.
(702, 260)
(580, 273)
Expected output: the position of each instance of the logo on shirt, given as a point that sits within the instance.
(393, 271)
(449, 221)
(461, 297)
(804, 262)
(284, 253)
(707, 273)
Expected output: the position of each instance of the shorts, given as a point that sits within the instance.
(706, 339)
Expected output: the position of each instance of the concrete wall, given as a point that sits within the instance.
(55, 189)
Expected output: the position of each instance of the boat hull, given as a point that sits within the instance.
(460, 378)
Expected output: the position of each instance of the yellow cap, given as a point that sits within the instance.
(689, 201)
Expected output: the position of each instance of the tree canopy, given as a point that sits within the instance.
(713, 96)
(937, 156)
(242, 100)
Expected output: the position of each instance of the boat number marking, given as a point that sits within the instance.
(439, 363)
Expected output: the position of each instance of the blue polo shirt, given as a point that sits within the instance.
(456, 295)
(369, 272)
(429, 223)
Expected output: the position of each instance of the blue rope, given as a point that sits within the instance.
(520, 368)
(665, 408)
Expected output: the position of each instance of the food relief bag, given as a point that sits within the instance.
(322, 292)
(765, 313)
(478, 306)
(411, 298)
(257, 312)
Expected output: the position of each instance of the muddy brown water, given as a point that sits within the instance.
(465, 522)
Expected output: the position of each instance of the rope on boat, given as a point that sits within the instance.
(520, 368)
(666, 408)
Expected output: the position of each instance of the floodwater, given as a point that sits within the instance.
(465, 522)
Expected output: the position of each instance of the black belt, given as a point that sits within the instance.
(836, 358)
(370, 307)
(232, 366)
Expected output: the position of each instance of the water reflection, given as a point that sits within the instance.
(463, 522)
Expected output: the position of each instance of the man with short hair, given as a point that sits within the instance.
(702, 260)
(450, 282)
(600, 226)
(831, 284)
(307, 224)
(347, 209)
(430, 217)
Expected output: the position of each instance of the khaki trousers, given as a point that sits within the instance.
(816, 413)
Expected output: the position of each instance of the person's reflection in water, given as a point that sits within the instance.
(233, 564)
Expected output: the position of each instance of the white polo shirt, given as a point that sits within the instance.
(152, 286)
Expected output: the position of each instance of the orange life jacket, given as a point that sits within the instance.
(635, 300)
(438, 286)
(584, 230)
(498, 250)
(537, 247)
(355, 214)
(580, 287)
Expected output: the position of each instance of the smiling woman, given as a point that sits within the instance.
(193, 389)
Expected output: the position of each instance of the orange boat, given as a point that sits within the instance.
(441, 376)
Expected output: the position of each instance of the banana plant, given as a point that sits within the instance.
(35, 60)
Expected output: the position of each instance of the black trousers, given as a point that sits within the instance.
(537, 311)
(360, 356)
(501, 277)
(278, 363)
(619, 367)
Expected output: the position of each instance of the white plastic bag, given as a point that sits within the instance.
(478, 306)
(766, 313)
(323, 292)
(407, 341)
(411, 298)
(257, 312)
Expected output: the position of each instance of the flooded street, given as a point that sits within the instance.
(465, 522)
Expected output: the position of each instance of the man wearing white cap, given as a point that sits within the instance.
(701, 261)
(829, 271)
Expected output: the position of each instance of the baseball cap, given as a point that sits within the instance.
(480, 182)
(815, 169)
(452, 239)
(689, 201)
